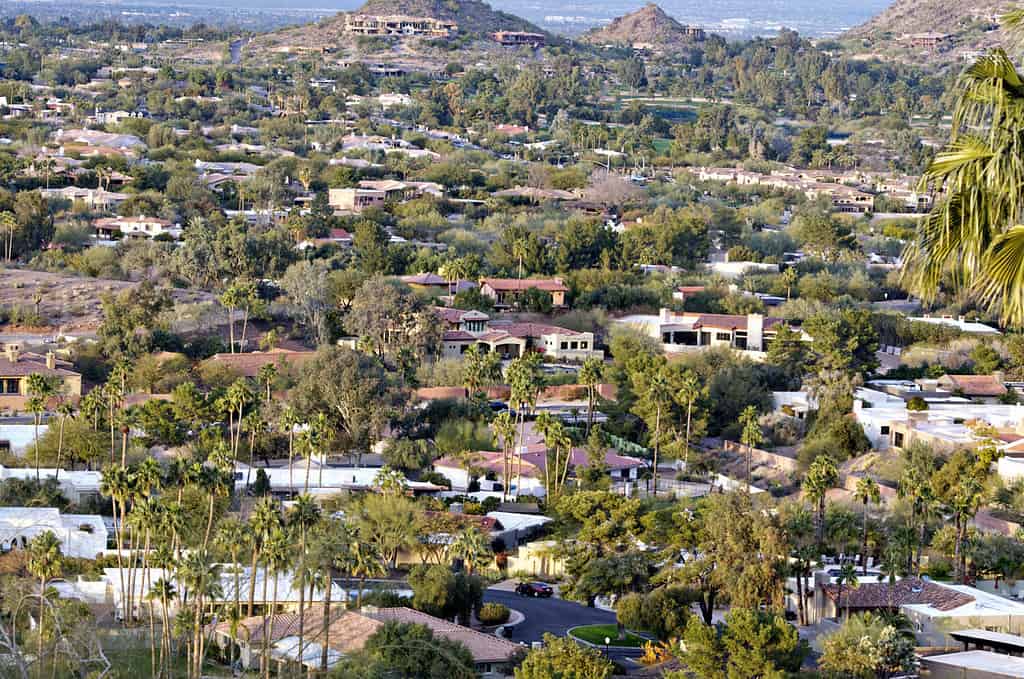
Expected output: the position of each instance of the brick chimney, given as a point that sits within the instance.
(51, 360)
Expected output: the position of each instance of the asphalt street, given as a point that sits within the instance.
(554, 616)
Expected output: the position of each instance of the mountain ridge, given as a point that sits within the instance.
(649, 25)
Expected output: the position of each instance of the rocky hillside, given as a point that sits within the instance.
(473, 16)
(649, 25)
(971, 25)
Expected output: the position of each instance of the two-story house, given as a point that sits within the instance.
(510, 339)
(17, 365)
(679, 332)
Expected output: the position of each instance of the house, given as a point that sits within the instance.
(98, 138)
(695, 331)
(935, 609)
(985, 387)
(517, 38)
(146, 227)
(337, 237)
(323, 480)
(621, 468)
(249, 364)
(464, 328)
(434, 284)
(397, 192)
(973, 664)
(348, 632)
(15, 439)
(95, 198)
(505, 292)
(399, 25)
(356, 200)
(16, 366)
(82, 536)
(928, 40)
(960, 323)
(78, 487)
(684, 292)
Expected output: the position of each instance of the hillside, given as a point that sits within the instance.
(649, 25)
(970, 25)
(473, 16)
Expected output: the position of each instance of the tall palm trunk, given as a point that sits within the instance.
(60, 450)
(252, 575)
(326, 629)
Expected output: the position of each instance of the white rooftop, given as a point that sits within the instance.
(959, 323)
(993, 664)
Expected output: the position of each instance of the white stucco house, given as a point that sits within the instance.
(80, 535)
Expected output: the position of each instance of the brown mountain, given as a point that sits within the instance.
(649, 25)
(969, 24)
(472, 16)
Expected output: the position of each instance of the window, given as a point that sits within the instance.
(885, 430)
(11, 386)
(583, 345)
(575, 345)
(565, 345)
(898, 440)
(723, 337)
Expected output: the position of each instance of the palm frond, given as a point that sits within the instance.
(1000, 284)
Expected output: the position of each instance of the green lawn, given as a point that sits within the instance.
(596, 634)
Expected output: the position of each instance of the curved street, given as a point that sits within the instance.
(554, 616)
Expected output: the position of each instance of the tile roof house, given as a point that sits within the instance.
(349, 631)
(249, 364)
(16, 366)
(505, 291)
(974, 386)
(510, 339)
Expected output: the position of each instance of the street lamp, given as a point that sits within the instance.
(607, 642)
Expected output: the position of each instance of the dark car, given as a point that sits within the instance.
(537, 589)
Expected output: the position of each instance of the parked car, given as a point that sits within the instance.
(535, 589)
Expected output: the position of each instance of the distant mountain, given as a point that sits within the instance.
(969, 24)
(649, 25)
(472, 16)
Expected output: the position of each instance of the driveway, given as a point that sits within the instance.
(553, 616)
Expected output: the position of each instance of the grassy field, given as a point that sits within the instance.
(595, 634)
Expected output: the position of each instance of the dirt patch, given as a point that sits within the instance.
(70, 303)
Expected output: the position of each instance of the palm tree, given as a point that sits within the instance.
(277, 556)
(973, 237)
(164, 590)
(44, 562)
(264, 520)
(750, 436)
(656, 395)
(688, 391)
(848, 577)
(472, 547)
(821, 476)
(266, 376)
(201, 579)
(964, 504)
(867, 491)
(9, 225)
(290, 420)
(232, 537)
(304, 515)
(889, 569)
(116, 483)
(329, 549)
(40, 388)
(367, 562)
(505, 430)
(65, 411)
(590, 376)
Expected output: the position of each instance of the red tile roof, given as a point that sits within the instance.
(874, 595)
(973, 385)
(249, 364)
(519, 285)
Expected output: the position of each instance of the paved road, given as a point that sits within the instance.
(554, 616)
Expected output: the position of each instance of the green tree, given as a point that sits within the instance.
(821, 476)
(750, 435)
(44, 562)
(865, 647)
(867, 491)
(562, 658)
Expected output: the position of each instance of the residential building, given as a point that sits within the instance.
(356, 200)
(17, 365)
(511, 339)
(146, 227)
(323, 479)
(399, 25)
(82, 536)
(960, 323)
(505, 292)
(78, 487)
(128, 142)
(15, 439)
(248, 364)
(337, 237)
(929, 40)
(94, 198)
(986, 388)
(973, 664)
(679, 332)
(517, 38)
(434, 284)
(348, 632)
